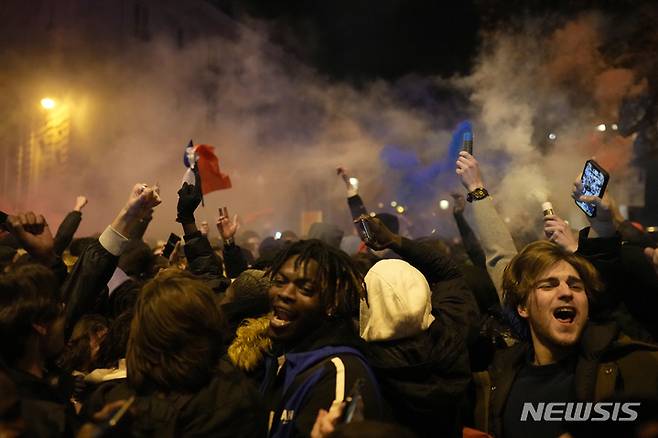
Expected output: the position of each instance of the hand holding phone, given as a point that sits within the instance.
(467, 142)
(353, 410)
(589, 194)
(593, 182)
(170, 245)
(375, 234)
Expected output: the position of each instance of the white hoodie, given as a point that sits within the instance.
(399, 302)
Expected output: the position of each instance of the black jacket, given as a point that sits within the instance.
(470, 242)
(631, 294)
(228, 406)
(204, 263)
(84, 289)
(452, 300)
(608, 364)
(66, 230)
(44, 405)
(235, 263)
(424, 378)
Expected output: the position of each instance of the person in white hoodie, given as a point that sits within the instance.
(416, 319)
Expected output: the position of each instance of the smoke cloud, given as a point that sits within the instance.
(280, 129)
(542, 91)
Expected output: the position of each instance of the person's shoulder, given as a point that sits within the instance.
(229, 405)
(228, 389)
(625, 346)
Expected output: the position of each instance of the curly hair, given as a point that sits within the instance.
(341, 282)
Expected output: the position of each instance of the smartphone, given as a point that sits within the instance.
(354, 403)
(595, 180)
(171, 244)
(467, 142)
(364, 230)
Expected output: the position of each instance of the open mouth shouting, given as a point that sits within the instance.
(565, 314)
(281, 318)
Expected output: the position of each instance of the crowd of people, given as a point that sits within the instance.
(329, 335)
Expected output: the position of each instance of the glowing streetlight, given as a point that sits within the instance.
(394, 204)
(552, 136)
(48, 103)
(444, 204)
(277, 235)
(399, 209)
(614, 127)
(601, 127)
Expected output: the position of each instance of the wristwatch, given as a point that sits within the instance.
(477, 194)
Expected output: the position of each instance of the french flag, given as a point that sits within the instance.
(202, 158)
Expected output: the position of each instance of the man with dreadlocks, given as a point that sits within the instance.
(316, 356)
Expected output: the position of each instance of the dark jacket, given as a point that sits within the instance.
(631, 294)
(228, 406)
(204, 263)
(424, 378)
(470, 242)
(235, 262)
(319, 378)
(608, 364)
(44, 405)
(84, 288)
(452, 300)
(66, 230)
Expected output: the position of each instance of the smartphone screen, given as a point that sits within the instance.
(594, 180)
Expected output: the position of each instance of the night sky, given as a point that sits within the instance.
(361, 40)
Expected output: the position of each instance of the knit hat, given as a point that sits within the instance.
(399, 302)
(251, 283)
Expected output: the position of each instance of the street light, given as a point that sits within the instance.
(48, 103)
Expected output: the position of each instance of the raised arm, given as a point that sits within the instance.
(234, 261)
(469, 239)
(624, 269)
(95, 266)
(495, 238)
(33, 232)
(201, 259)
(354, 201)
(69, 226)
(452, 300)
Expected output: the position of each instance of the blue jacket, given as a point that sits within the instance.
(312, 380)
